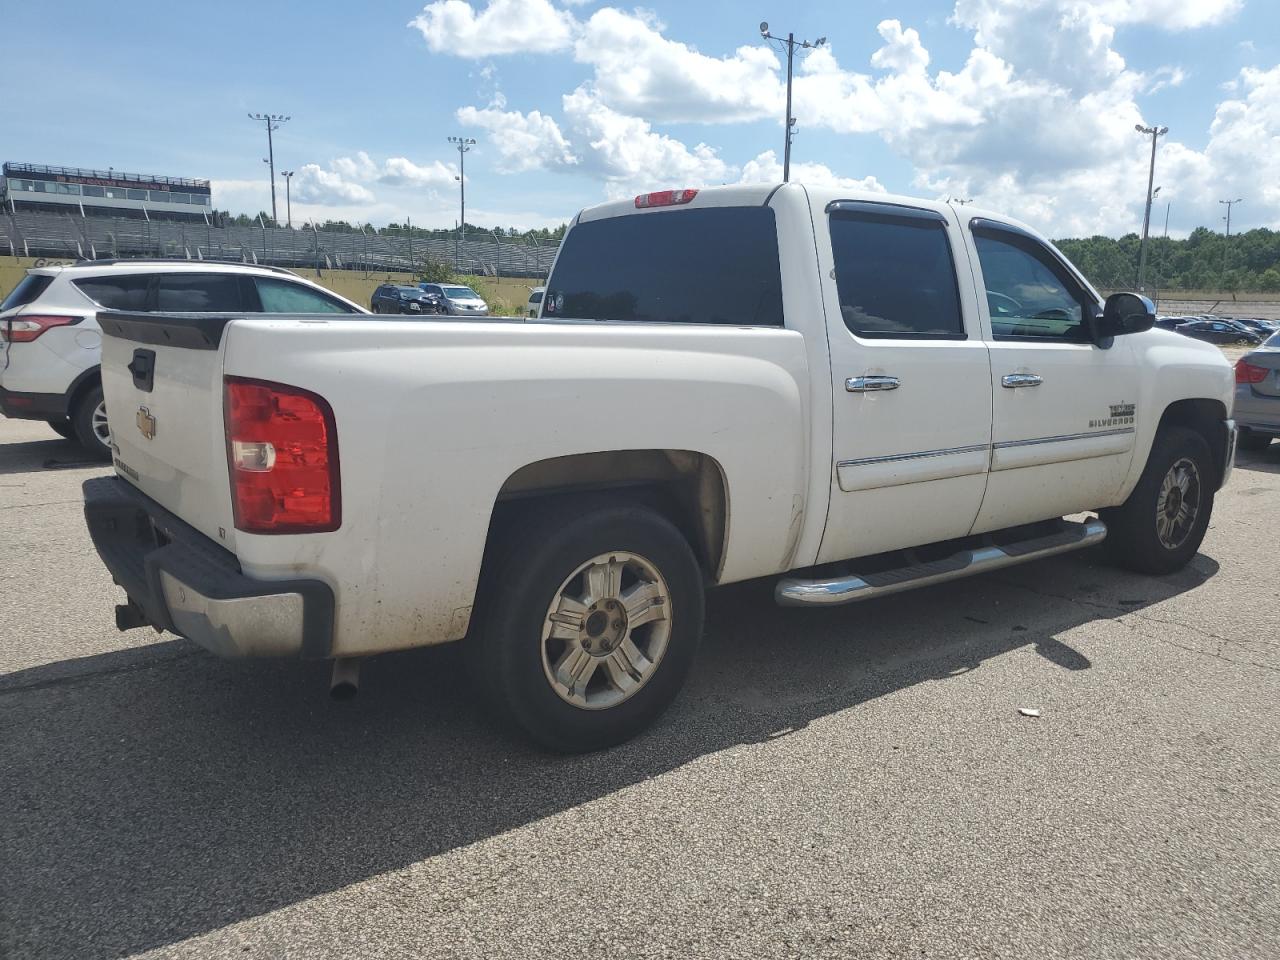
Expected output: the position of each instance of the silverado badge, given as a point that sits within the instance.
(146, 423)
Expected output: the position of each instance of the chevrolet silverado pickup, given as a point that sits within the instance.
(855, 394)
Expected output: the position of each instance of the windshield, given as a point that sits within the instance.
(460, 293)
(1272, 341)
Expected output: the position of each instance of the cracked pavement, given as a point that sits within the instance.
(845, 783)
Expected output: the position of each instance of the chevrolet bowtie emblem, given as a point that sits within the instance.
(146, 423)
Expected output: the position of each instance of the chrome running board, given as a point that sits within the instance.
(795, 592)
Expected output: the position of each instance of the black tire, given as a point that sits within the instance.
(82, 424)
(1133, 538)
(525, 571)
(1255, 442)
(62, 427)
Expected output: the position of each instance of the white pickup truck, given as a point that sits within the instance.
(856, 394)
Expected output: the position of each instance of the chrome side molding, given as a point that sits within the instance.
(797, 592)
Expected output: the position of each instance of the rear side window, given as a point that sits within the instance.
(199, 292)
(281, 296)
(117, 293)
(895, 276)
(28, 288)
(718, 265)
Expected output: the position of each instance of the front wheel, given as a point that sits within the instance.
(1160, 527)
(89, 422)
(590, 615)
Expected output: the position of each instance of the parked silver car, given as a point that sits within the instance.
(459, 300)
(1258, 395)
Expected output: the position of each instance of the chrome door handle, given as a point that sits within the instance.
(1012, 380)
(869, 384)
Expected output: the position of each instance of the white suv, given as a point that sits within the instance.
(52, 345)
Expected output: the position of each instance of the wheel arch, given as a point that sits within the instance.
(1206, 417)
(689, 488)
(82, 384)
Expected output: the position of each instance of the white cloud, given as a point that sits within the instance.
(629, 155)
(523, 141)
(1038, 120)
(502, 27)
(401, 171)
(766, 168)
(359, 167)
(313, 184)
(641, 72)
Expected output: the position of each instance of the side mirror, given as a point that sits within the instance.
(1125, 313)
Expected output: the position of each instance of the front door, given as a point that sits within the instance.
(1064, 408)
(911, 379)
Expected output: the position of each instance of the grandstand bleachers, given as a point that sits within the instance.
(40, 234)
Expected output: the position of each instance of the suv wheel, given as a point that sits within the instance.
(89, 423)
(62, 427)
(590, 616)
(1159, 528)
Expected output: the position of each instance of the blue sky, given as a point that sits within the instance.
(1028, 106)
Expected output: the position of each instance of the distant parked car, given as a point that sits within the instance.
(1171, 323)
(1262, 327)
(459, 300)
(535, 301)
(400, 298)
(1257, 409)
(1219, 331)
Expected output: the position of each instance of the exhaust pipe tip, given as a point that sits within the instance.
(344, 684)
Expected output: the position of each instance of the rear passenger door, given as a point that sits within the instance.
(911, 380)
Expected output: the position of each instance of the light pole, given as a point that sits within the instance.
(790, 43)
(1226, 246)
(274, 121)
(1155, 133)
(288, 201)
(464, 145)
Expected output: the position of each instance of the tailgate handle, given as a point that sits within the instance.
(143, 368)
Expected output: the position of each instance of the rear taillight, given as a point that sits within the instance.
(26, 327)
(282, 450)
(664, 198)
(1248, 373)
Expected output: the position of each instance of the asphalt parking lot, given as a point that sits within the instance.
(847, 783)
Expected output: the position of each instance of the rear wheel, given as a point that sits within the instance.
(62, 427)
(1248, 440)
(590, 616)
(89, 423)
(1160, 527)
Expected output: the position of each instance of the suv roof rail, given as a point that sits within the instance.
(204, 263)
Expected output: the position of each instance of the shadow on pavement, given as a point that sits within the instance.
(1259, 461)
(155, 794)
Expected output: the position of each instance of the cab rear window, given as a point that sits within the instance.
(716, 265)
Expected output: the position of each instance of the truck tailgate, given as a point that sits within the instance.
(162, 380)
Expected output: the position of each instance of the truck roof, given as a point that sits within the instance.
(741, 195)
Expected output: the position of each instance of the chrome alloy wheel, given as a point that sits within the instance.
(606, 630)
(99, 423)
(1178, 504)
